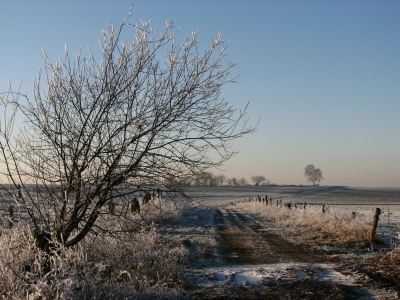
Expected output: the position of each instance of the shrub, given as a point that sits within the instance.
(134, 263)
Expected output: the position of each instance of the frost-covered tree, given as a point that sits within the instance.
(146, 111)
(312, 174)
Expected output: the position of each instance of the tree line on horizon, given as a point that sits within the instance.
(211, 179)
(312, 174)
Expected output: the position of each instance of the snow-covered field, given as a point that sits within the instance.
(332, 195)
(224, 251)
(363, 201)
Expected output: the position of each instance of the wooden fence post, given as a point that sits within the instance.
(374, 224)
(304, 205)
(10, 217)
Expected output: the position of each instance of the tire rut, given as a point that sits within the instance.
(246, 241)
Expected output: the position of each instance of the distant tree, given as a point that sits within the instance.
(213, 180)
(235, 181)
(197, 181)
(258, 179)
(221, 178)
(314, 175)
(207, 177)
(243, 181)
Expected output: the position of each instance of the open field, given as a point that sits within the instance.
(223, 248)
(360, 200)
(333, 195)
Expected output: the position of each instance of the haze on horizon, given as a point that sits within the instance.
(322, 77)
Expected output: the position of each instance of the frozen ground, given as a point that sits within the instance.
(351, 199)
(332, 195)
(235, 255)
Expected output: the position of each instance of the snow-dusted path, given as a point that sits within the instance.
(250, 261)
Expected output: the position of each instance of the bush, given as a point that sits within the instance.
(134, 264)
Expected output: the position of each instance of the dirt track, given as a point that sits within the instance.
(249, 242)
(259, 264)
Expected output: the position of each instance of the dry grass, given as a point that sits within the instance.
(133, 264)
(394, 255)
(332, 227)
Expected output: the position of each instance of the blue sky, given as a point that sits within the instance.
(322, 77)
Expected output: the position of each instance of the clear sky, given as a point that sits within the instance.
(323, 77)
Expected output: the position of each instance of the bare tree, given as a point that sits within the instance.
(208, 179)
(258, 179)
(221, 178)
(314, 175)
(243, 181)
(148, 111)
(213, 180)
(235, 182)
(204, 179)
